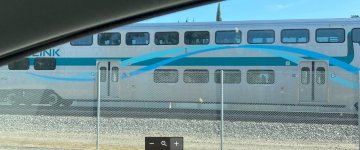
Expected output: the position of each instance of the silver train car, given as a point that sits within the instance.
(280, 65)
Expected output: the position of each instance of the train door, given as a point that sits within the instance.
(313, 84)
(109, 79)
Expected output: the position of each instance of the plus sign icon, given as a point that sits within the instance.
(177, 143)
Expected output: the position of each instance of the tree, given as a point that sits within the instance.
(218, 13)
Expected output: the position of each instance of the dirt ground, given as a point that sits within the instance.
(49, 140)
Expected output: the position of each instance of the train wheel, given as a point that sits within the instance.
(11, 99)
(53, 99)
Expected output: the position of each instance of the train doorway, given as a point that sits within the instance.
(313, 82)
(108, 79)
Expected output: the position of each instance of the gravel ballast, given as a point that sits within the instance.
(71, 132)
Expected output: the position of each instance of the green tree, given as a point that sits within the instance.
(218, 13)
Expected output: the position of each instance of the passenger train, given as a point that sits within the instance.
(278, 65)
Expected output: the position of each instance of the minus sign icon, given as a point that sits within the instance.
(152, 143)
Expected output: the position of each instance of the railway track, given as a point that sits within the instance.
(255, 116)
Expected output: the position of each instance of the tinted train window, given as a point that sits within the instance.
(166, 76)
(166, 38)
(137, 38)
(356, 35)
(115, 74)
(228, 37)
(320, 75)
(103, 74)
(109, 38)
(261, 36)
(295, 36)
(330, 35)
(305, 75)
(85, 41)
(197, 37)
(196, 76)
(260, 77)
(45, 64)
(22, 64)
(230, 76)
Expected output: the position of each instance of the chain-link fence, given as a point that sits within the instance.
(272, 110)
(37, 110)
(163, 103)
(251, 108)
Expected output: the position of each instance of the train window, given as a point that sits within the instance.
(166, 38)
(84, 41)
(109, 38)
(166, 76)
(356, 35)
(197, 37)
(305, 75)
(261, 36)
(137, 38)
(196, 76)
(295, 36)
(228, 37)
(320, 75)
(260, 77)
(115, 74)
(330, 35)
(230, 76)
(103, 74)
(45, 64)
(22, 64)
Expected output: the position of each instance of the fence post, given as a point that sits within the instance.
(222, 109)
(98, 112)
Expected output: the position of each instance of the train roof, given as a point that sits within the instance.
(245, 23)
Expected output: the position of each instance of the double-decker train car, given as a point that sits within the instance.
(278, 65)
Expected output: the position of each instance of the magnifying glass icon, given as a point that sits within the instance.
(163, 143)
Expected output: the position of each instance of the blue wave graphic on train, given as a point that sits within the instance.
(280, 51)
(84, 77)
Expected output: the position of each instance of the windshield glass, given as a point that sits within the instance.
(236, 74)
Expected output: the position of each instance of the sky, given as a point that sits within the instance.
(238, 10)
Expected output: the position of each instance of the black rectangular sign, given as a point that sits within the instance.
(164, 143)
